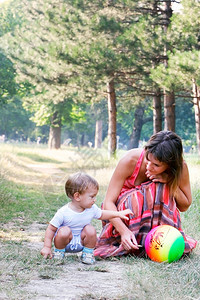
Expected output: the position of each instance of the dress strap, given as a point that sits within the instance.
(137, 167)
(130, 181)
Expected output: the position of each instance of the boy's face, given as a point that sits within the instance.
(88, 198)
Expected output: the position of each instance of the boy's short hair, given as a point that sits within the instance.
(79, 182)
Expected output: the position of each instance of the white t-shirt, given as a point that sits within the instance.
(65, 216)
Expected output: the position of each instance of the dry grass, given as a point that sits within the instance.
(31, 190)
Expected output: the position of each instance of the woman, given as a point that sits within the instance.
(154, 183)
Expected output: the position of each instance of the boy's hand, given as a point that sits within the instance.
(123, 214)
(46, 252)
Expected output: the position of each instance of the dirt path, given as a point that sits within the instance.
(104, 280)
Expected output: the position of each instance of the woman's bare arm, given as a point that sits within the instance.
(183, 195)
(123, 170)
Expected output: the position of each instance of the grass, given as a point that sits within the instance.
(29, 196)
(179, 280)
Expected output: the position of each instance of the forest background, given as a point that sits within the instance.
(110, 72)
(83, 75)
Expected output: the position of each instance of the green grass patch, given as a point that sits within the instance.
(31, 204)
(38, 158)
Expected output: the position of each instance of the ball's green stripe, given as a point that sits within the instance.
(177, 249)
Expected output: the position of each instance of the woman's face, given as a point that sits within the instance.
(155, 166)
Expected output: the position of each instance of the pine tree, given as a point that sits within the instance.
(182, 72)
(35, 47)
(76, 51)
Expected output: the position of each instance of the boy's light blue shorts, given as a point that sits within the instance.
(75, 245)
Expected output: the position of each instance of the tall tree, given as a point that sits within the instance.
(75, 51)
(122, 54)
(182, 73)
(35, 48)
(169, 98)
(157, 111)
(15, 121)
(8, 85)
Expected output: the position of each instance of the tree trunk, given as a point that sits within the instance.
(169, 99)
(83, 139)
(55, 132)
(138, 122)
(157, 112)
(169, 111)
(196, 101)
(98, 134)
(112, 111)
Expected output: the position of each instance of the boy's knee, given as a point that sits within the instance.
(64, 232)
(88, 230)
(88, 236)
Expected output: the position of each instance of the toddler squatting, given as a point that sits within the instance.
(70, 228)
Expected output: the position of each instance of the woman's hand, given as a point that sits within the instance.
(128, 240)
(163, 177)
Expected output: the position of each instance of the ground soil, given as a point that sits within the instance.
(104, 281)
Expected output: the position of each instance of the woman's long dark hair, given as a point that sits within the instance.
(166, 146)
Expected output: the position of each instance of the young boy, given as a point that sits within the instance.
(70, 227)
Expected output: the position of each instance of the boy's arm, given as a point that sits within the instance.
(49, 234)
(109, 214)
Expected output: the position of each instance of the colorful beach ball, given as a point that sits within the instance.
(164, 243)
